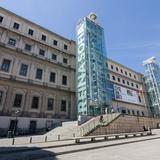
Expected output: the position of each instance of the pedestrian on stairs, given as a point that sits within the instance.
(101, 119)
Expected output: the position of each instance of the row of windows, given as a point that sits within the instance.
(31, 33)
(124, 81)
(28, 48)
(131, 112)
(35, 102)
(6, 63)
(123, 72)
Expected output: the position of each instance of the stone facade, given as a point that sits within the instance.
(38, 76)
(128, 79)
(37, 71)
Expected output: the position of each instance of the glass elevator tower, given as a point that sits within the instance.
(152, 84)
(93, 97)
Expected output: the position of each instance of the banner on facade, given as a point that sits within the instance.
(125, 94)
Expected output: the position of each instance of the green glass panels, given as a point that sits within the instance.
(152, 84)
(93, 98)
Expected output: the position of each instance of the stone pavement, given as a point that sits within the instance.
(5, 142)
(63, 149)
(147, 150)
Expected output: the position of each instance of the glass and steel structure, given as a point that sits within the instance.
(152, 84)
(93, 96)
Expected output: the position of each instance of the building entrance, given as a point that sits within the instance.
(32, 127)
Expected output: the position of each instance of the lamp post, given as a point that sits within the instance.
(15, 124)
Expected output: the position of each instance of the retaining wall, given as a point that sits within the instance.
(127, 123)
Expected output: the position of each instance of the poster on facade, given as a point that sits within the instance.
(125, 94)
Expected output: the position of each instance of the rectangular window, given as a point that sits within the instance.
(123, 81)
(1, 96)
(118, 79)
(1, 19)
(113, 77)
(12, 42)
(41, 52)
(64, 80)
(111, 66)
(5, 65)
(52, 77)
(139, 99)
(16, 25)
(121, 71)
(17, 100)
(39, 73)
(54, 57)
(30, 32)
(127, 83)
(23, 70)
(28, 47)
(65, 60)
(117, 69)
(50, 104)
(130, 74)
(132, 84)
(35, 102)
(65, 47)
(43, 37)
(55, 42)
(126, 73)
(134, 76)
(137, 86)
(63, 106)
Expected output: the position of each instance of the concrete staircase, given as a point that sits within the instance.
(68, 130)
(71, 129)
(126, 124)
(93, 123)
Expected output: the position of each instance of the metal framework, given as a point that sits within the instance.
(152, 83)
(93, 98)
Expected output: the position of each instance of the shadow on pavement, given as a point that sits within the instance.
(25, 153)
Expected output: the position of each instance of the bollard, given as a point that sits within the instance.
(30, 141)
(77, 140)
(59, 137)
(13, 140)
(126, 136)
(73, 134)
(105, 138)
(45, 138)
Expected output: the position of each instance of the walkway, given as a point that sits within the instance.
(70, 150)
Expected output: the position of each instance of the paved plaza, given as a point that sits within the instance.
(139, 148)
(148, 150)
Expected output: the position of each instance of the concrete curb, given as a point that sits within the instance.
(72, 144)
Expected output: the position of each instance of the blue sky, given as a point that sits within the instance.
(132, 27)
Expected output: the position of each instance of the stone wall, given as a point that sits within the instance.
(126, 123)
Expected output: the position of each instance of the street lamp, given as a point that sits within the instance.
(15, 124)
